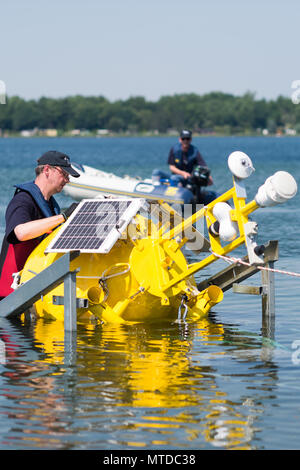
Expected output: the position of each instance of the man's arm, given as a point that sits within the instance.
(36, 228)
(176, 170)
(23, 221)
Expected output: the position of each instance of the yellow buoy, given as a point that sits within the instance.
(127, 284)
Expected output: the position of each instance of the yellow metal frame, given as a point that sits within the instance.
(239, 214)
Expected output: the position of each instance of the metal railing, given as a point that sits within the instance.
(28, 293)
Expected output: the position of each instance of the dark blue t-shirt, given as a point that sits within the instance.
(21, 209)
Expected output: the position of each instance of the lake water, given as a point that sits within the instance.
(217, 384)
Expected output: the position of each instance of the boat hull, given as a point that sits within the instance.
(94, 183)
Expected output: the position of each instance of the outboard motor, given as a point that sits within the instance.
(200, 175)
(198, 180)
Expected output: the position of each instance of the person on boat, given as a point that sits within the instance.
(183, 160)
(32, 213)
(183, 157)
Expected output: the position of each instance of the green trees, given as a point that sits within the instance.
(212, 112)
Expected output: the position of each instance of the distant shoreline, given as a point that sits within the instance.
(215, 113)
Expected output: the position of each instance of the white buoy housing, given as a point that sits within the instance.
(227, 228)
(240, 165)
(277, 189)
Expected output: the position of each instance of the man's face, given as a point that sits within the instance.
(185, 143)
(57, 179)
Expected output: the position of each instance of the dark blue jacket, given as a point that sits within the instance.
(185, 161)
(35, 192)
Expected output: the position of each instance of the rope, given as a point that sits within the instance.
(104, 277)
(182, 304)
(233, 260)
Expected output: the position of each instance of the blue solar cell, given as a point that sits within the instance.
(95, 225)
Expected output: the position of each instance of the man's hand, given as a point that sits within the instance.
(67, 212)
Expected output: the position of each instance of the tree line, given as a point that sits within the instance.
(212, 112)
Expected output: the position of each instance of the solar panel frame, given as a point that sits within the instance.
(95, 225)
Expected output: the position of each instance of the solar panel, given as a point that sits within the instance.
(95, 225)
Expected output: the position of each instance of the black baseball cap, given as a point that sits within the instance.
(185, 133)
(55, 158)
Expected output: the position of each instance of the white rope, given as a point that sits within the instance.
(104, 276)
(233, 260)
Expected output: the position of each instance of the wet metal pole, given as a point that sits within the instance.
(70, 316)
(268, 301)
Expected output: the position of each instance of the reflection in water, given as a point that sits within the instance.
(129, 386)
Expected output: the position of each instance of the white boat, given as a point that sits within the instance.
(94, 183)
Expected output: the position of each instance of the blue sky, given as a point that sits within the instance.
(123, 48)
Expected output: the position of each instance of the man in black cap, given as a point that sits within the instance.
(183, 157)
(32, 213)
